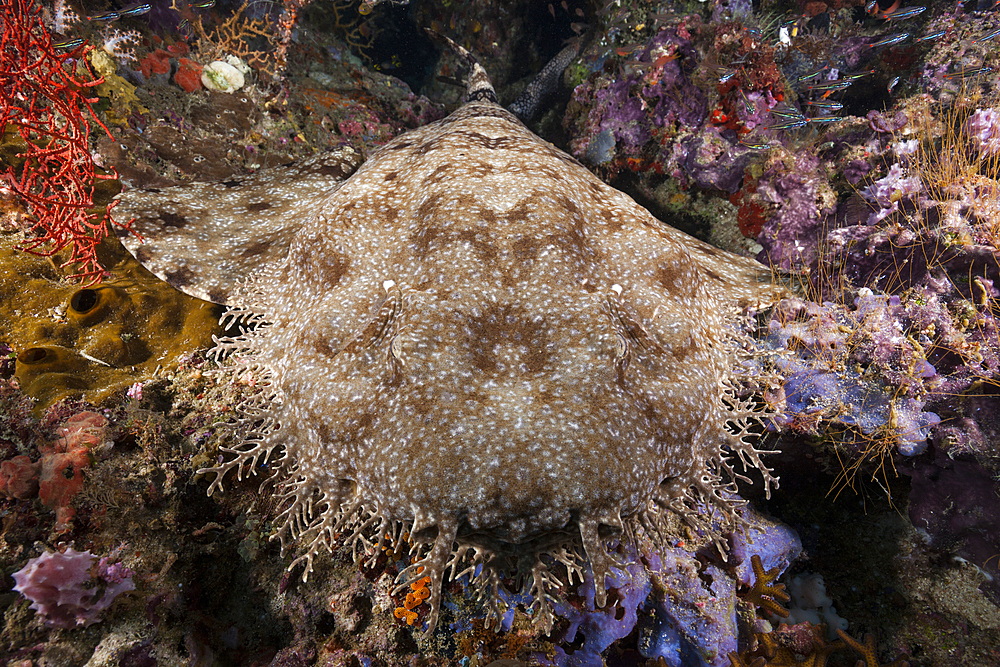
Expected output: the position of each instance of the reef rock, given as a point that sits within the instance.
(474, 341)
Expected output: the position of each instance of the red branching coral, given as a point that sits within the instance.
(45, 95)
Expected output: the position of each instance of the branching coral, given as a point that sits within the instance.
(765, 593)
(233, 37)
(868, 652)
(800, 645)
(817, 654)
(45, 98)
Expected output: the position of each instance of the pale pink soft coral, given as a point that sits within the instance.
(888, 191)
(63, 591)
(983, 127)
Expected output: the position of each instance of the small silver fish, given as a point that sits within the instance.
(857, 75)
(138, 10)
(840, 84)
(892, 84)
(969, 71)
(106, 16)
(890, 40)
(826, 106)
(788, 125)
(726, 74)
(812, 75)
(755, 145)
(907, 13)
(931, 36)
(68, 44)
(987, 37)
(787, 112)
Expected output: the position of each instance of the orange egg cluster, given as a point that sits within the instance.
(414, 598)
(395, 549)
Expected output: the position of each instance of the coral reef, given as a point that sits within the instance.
(861, 166)
(51, 112)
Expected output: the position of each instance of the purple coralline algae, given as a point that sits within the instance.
(889, 191)
(707, 160)
(65, 593)
(851, 369)
(881, 123)
(983, 127)
(649, 101)
(801, 202)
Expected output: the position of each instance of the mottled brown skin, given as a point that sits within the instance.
(474, 339)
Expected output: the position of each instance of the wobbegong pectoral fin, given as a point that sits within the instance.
(734, 278)
(202, 237)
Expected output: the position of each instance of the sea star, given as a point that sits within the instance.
(471, 338)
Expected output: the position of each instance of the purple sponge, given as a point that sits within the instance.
(64, 592)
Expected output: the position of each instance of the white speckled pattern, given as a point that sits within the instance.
(474, 339)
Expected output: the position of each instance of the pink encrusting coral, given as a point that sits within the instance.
(19, 477)
(65, 593)
(63, 462)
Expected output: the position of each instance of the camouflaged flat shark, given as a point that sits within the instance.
(472, 340)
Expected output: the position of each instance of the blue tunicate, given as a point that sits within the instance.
(656, 636)
(601, 148)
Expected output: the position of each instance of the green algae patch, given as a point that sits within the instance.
(93, 342)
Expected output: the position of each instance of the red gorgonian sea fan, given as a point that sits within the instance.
(45, 96)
